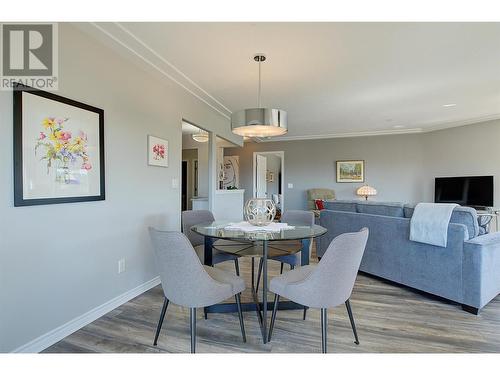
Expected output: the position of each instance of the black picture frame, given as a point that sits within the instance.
(19, 199)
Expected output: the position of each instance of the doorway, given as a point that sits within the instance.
(268, 176)
(184, 193)
(194, 168)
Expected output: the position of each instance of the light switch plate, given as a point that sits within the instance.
(290, 185)
(121, 265)
(175, 183)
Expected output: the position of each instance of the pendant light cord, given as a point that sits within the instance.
(258, 102)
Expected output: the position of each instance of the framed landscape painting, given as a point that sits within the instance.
(58, 149)
(350, 171)
(157, 151)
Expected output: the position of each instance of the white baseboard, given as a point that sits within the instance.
(57, 334)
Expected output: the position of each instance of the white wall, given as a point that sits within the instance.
(58, 262)
(401, 167)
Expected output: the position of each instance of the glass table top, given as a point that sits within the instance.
(284, 242)
(217, 229)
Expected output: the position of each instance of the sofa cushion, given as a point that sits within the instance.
(343, 205)
(381, 208)
(461, 215)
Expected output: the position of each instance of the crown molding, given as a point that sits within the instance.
(344, 135)
(454, 124)
(132, 44)
(427, 129)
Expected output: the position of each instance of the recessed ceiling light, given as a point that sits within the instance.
(449, 105)
(398, 126)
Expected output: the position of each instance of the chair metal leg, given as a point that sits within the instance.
(351, 318)
(273, 316)
(160, 322)
(240, 315)
(192, 313)
(237, 267)
(292, 266)
(281, 268)
(259, 273)
(324, 329)
(305, 312)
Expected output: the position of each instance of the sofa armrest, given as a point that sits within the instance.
(486, 240)
(481, 269)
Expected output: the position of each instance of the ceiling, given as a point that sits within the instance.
(187, 128)
(333, 79)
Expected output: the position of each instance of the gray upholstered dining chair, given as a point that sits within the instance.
(291, 217)
(327, 284)
(186, 282)
(194, 217)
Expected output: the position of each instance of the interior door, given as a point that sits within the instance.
(260, 178)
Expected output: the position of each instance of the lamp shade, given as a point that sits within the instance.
(259, 122)
(366, 191)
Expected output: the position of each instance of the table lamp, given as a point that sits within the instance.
(366, 191)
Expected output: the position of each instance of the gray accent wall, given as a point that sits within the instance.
(401, 167)
(472, 150)
(58, 262)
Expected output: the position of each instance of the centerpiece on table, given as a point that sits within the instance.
(260, 211)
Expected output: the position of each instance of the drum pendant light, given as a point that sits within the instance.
(259, 122)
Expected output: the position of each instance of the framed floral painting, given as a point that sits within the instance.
(157, 151)
(58, 149)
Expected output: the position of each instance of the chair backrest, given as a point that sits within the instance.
(334, 277)
(191, 218)
(298, 217)
(183, 278)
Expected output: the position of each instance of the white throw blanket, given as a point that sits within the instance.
(245, 226)
(429, 223)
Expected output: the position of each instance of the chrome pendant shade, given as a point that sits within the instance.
(259, 122)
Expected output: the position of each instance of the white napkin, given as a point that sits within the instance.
(245, 226)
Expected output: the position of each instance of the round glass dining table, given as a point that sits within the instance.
(262, 244)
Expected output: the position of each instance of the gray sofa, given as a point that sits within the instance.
(467, 271)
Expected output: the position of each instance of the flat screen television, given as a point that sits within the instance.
(474, 191)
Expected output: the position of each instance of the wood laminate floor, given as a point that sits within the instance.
(390, 319)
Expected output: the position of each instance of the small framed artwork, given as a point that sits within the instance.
(350, 171)
(58, 149)
(157, 151)
(270, 176)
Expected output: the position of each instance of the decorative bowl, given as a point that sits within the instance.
(260, 211)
